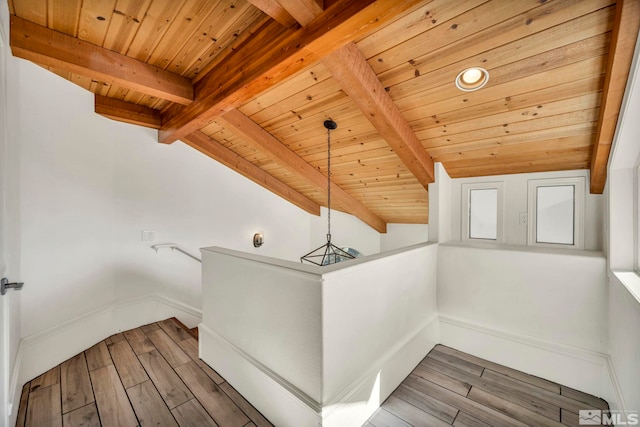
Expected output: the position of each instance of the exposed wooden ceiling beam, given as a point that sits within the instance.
(216, 151)
(350, 68)
(65, 53)
(220, 58)
(276, 11)
(623, 40)
(127, 112)
(303, 11)
(284, 52)
(278, 152)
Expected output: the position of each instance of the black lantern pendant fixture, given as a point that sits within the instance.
(328, 253)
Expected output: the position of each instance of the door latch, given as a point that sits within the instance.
(4, 285)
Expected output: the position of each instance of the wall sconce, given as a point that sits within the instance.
(258, 240)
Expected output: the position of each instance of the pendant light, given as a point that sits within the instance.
(328, 253)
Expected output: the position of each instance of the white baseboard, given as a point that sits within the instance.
(585, 370)
(276, 398)
(285, 405)
(617, 401)
(15, 390)
(45, 349)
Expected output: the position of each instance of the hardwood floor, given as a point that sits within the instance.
(148, 376)
(152, 376)
(453, 388)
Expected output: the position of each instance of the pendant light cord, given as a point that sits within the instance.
(328, 253)
(328, 185)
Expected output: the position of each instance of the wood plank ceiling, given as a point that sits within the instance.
(249, 83)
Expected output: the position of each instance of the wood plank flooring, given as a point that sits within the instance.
(148, 376)
(152, 375)
(453, 388)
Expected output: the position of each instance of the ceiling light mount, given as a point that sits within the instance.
(330, 125)
(472, 78)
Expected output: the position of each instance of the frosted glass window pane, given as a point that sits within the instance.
(483, 214)
(555, 214)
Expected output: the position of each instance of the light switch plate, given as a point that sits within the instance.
(148, 236)
(523, 218)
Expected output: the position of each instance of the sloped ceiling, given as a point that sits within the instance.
(250, 83)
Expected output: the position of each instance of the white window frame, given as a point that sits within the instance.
(579, 184)
(466, 209)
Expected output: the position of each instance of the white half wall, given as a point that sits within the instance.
(549, 303)
(262, 331)
(379, 320)
(310, 345)
(270, 310)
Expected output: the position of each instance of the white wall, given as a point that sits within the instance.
(622, 196)
(89, 186)
(515, 202)
(624, 341)
(346, 230)
(401, 235)
(66, 202)
(440, 206)
(623, 234)
(199, 203)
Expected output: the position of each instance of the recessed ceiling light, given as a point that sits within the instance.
(472, 79)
